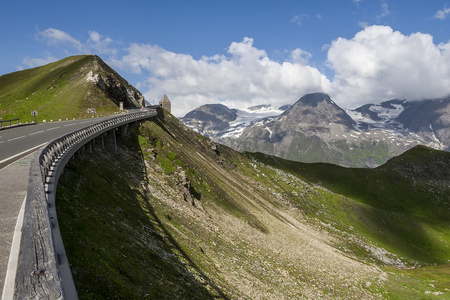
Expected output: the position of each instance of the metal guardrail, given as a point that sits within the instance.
(43, 271)
(8, 121)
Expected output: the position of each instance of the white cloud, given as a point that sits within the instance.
(442, 14)
(244, 77)
(36, 62)
(99, 45)
(377, 64)
(299, 19)
(380, 64)
(95, 44)
(300, 56)
(363, 24)
(55, 36)
(94, 36)
(384, 10)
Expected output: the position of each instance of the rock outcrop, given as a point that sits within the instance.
(113, 85)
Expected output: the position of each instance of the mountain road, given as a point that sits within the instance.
(17, 142)
(16, 146)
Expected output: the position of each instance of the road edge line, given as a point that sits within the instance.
(23, 153)
(10, 278)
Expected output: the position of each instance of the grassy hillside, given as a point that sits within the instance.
(59, 90)
(404, 205)
(172, 215)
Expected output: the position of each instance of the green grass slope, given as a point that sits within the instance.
(404, 204)
(59, 90)
(172, 215)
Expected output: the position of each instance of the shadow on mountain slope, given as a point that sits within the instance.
(116, 244)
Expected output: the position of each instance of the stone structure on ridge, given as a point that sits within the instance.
(165, 103)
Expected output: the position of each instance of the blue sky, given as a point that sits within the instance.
(243, 53)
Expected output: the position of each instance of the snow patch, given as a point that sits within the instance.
(387, 114)
(270, 133)
(92, 77)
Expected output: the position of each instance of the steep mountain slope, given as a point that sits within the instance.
(65, 89)
(173, 215)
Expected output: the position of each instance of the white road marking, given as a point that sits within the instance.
(16, 138)
(8, 291)
(36, 132)
(18, 154)
(53, 128)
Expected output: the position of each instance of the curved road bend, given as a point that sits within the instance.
(19, 141)
(16, 145)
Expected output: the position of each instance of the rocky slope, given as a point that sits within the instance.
(315, 129)
(65, 89)
(193, 219)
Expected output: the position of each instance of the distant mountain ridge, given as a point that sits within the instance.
(316, 129)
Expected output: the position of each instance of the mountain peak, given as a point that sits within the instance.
(218, 111)
(314, 99)
(316, 109)
(65, 89)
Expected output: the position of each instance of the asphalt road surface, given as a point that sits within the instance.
(17, 142)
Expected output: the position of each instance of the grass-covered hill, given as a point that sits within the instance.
(65, 89)
(403, 204)
(172, 215)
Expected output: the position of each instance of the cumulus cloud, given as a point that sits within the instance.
(244, 77)
(300, 56)
(377, 64)
(380, 64)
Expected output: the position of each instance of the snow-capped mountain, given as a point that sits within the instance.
(217, 121)
(381, 115)
(428, 119)
(316, 129)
